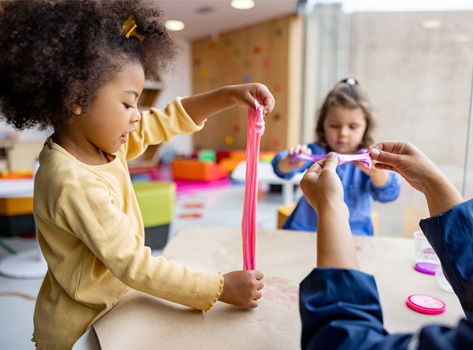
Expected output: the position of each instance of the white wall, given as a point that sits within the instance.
(419, 81)
(29, 135)
(178, 82)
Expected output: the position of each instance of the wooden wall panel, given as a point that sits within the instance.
(268, 53)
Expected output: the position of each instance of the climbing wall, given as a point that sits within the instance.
(268, 53)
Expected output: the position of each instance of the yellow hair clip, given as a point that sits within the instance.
(129, 27)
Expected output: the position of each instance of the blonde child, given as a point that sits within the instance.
(80, 66)
(344, 125)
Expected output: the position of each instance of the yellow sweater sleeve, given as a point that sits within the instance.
(160, 125)
(87, 210)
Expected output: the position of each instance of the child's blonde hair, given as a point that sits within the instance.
(346, 93)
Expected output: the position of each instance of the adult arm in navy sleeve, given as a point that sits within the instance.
(339, 306)
(451, 236)
(450, 227)
(340, 309)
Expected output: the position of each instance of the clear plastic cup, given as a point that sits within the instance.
(442, 280)
(425, 253)
(423, 250)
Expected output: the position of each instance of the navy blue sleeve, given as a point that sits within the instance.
(340, 309)
(388, 192)
(451, 236)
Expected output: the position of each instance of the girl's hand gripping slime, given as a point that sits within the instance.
(362, 155)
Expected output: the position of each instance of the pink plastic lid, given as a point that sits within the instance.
(425, 304)
(425, 267)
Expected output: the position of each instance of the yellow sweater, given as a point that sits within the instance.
(91, 233)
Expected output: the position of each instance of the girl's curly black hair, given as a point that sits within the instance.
(56, 53)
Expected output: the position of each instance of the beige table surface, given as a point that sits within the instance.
(140, 321)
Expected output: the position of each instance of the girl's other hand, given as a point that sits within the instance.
(296, 150)
(242, 288)
(299, 149)
(379, 177)
(285, 164)
(321, 184)
(245, 94)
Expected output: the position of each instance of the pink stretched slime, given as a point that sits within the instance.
(248, 228)
(363, 155)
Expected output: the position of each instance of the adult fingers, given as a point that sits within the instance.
(395, 147)
(388, 146)
(314, 169)
(383, 166)
(331, 162)
(384, 157)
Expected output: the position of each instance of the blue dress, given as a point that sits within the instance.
(340, 309)
(358, 191)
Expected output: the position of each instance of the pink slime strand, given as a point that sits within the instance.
(248, 227)
(342, 158)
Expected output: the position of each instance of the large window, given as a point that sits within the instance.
(417, 69)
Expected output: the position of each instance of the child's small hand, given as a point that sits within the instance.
(244, 95)
(378, 177)
(285, 164)
(242, 288)
(321, 184)
(296, 150)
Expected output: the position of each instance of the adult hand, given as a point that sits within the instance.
(419, 171)
(324, 191)
(408, 161)
(321, 184)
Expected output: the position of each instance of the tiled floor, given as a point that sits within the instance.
(215, 207)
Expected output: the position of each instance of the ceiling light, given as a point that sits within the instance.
(431, 24)
(174, 25)
(243, 4)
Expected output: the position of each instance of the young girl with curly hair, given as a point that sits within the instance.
(344, 125)
(80, 67)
